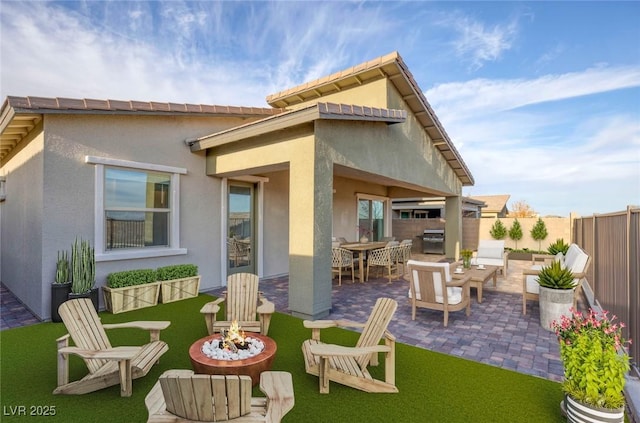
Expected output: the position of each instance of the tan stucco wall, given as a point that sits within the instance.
(21, 213)
(276, 224)
(373, 94)
(557, 227)
(61, 196)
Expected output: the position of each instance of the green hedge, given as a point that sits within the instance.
(177, 271)
(131, 278)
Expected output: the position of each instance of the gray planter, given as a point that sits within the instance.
(553, 304)
(59, 294)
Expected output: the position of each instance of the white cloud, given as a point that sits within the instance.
(461, 100)
(598, 156)
(514, 134)
(478, 43)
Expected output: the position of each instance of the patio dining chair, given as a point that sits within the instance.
(404, 255)
(342, 259)
(384, 258)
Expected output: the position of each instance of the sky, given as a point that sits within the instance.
(541, 99)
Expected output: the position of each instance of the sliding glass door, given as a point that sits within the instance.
(371, 218)
(240, 228)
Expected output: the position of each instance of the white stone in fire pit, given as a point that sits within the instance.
(212, 349)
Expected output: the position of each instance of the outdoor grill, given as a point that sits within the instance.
(433, 241)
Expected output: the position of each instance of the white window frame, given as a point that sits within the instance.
(99, 215)
(387, 210)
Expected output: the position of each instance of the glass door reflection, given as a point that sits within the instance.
(240, 241)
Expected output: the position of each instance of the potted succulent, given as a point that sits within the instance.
(595, 363)
(83, 272)
(130, 290)
(61, 287)
(556, 293)
(559, 246)
(466, 258)
(178, 282)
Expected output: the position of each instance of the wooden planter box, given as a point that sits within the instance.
(119, 300)
(179, 289)
(520, 255)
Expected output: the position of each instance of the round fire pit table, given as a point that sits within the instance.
(251, 366)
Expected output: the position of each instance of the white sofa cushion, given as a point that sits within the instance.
(490, 249)
(533, 287)
(490, 252)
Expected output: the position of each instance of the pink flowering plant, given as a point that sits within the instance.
(595, 361)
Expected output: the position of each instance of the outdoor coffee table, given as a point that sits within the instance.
(478, 276)
(251, 366)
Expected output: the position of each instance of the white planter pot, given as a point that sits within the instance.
(578, 412)
(553, 304)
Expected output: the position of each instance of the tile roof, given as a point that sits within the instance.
(19, 115)
(495, 203)
(60, 104)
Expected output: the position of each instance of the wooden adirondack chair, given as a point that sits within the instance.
(348, 365)
(242, 298)
(107, 365)
(182, 396)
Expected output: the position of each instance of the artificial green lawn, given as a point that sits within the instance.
(433, 387)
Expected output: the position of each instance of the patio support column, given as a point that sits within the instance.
(310, 220)
(453, 227)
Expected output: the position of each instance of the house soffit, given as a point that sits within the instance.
(392, 67)
(411, 190)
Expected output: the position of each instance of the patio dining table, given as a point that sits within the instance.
(362, 248)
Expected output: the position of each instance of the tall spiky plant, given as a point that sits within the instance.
(83, 267)
(62, 267)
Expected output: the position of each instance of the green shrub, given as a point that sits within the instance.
(539, 232)
(498, 230)
(177, 271)
(515, 232)
(556, 276)
(131, 278)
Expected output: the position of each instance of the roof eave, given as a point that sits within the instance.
(297, 117)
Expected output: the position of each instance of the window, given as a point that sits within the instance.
(136, 211)
(136, 208)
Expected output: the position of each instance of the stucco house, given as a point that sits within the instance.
(496, 205)
(226, 188)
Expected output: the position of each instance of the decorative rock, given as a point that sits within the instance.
(212, 350)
